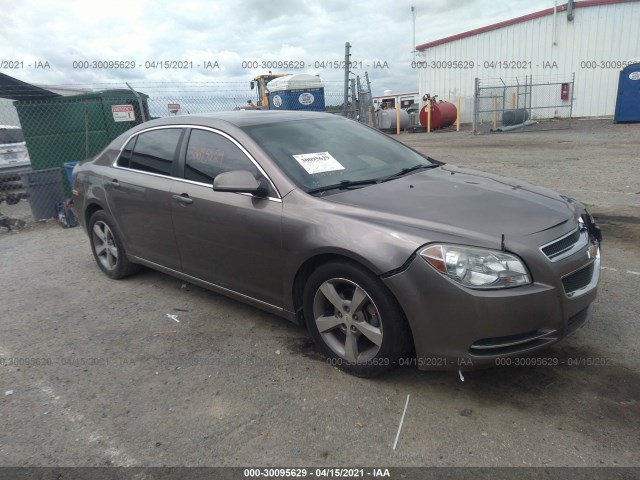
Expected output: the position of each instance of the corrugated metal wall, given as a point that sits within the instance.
(598, 34)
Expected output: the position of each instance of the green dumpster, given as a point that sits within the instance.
(69, 128)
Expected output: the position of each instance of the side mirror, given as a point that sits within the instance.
(253, 85)
(240, 181)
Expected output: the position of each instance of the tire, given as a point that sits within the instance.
(364, 342)
(107, 247)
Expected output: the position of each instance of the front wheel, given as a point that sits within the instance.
(354, 319)
(107, 247)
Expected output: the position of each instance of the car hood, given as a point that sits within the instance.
(461, 200)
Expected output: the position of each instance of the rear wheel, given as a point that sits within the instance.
(107, 247)
(354, 319)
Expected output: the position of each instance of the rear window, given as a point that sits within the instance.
(155, 151)
(11, 135)
(125, 157)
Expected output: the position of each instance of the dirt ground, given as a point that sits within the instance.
(150, 371)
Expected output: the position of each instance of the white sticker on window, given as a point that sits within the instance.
(318, 162)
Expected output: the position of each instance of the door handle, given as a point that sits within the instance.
(114, 183)
(184, 199)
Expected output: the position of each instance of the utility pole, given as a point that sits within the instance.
(413, 47)
(347, 46)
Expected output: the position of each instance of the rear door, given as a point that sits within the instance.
(232, 240)
(139, 195)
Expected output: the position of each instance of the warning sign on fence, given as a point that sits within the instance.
(123, 113)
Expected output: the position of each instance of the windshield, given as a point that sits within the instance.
(332, 151)
(11, 135)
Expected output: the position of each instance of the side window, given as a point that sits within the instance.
(210, 154)
(154, 151)
(124, 159)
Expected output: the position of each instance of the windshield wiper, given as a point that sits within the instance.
(345, 184)
(404, 171)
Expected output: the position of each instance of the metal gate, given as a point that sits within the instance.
(522, 104)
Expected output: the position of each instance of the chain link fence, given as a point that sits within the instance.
(523, 104)
(366, 111)
(45, 131)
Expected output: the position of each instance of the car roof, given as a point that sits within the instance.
(239, 118)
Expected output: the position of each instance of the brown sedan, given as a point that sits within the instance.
(386, 256)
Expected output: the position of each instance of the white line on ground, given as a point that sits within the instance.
(89, 433)
(401, 422)
(630, 272)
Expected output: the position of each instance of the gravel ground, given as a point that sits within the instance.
(150, 371)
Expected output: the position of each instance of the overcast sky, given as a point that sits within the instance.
(230, 33)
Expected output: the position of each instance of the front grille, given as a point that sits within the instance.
(559, 247)
(512, 344)
(578, 280)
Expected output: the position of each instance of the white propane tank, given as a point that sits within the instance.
(386, 119)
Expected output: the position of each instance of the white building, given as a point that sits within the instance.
(593, 39)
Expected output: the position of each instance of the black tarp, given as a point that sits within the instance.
(18, 90)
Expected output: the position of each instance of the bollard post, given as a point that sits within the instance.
(495, 110)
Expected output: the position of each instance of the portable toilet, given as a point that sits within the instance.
(296, 92)
(628, 101)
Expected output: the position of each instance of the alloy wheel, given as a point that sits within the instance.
(105, 246)
(348, 320)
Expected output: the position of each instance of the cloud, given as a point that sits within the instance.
(232, 33)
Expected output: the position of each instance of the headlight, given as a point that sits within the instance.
(477, 267)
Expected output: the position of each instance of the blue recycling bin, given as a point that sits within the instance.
(68, 166)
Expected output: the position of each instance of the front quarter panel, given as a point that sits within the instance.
(314, 226)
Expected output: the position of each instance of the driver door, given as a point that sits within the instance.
(232, 240)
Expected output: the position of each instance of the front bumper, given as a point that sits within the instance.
(455, 327)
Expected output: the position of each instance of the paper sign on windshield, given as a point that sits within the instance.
(318, 162)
